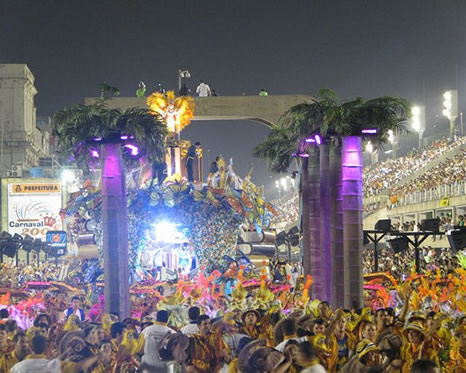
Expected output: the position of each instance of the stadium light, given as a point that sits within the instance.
(369, 147)
(450, 110)
(418, 121)
(391, 136)
(284, 183)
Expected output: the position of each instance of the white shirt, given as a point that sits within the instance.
(37, 366)
(190, 329)
(281, 346)
(152, 336)
(315, 369)
(203, 90)
(77, 313)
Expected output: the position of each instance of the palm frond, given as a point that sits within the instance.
(329, 114)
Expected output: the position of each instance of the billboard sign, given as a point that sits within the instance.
(34, 209)
(57, 242)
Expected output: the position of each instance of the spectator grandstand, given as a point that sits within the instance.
(389, 175)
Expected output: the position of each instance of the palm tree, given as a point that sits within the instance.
(78, 130)
(342, 121)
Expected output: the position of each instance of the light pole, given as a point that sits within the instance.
(419, 122)
(182, 74)
(451, 109)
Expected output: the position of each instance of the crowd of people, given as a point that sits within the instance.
(449, 172)
(400, 265)
(287, 209)
(388, 174)
(266, 327)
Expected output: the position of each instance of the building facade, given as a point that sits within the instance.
(22, 144)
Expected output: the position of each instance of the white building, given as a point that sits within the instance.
(21, 142)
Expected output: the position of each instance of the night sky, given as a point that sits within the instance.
(409, 48)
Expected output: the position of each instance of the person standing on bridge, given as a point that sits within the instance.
(203, 90)
(263, 93)
(184, 91)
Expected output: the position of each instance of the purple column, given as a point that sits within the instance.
(352, 220)
(115, 231)
(316, 252)
(325, 224)
(336, 239)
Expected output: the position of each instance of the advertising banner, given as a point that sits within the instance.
(57, 242)
(34, 209)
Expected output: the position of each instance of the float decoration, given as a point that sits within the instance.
(176, 112)
(210, 218)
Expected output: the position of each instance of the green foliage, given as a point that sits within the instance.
(73, 126)
(331, 116)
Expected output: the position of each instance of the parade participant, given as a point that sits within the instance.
(43, 318)
(380, 320)
(367, 356)
(307, 358)
(425, 366)
(190, 160)
(117, 331)
(325, 312)
(318, 326)
(233, 366)
(7, 351)
(207, 350)
(289, 328)
(91, 334)
(192, 328)
(152, 336)
(21, 346)
(250, 326)
(360, 323)
(370, 332)
(37, 361)
(457, 352)
(341, 343)
(106, 361)
(75, 309)
(41, 329)
(415, 346)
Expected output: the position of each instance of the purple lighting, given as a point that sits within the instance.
(97, 138)
(369, 131)
(124, 137)
(134, 149)
(302, 155)
(318, 139)
(94, 153)
(309, 139)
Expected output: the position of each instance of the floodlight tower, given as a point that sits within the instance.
(418, 122)
(370, 149)
(451, 109)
